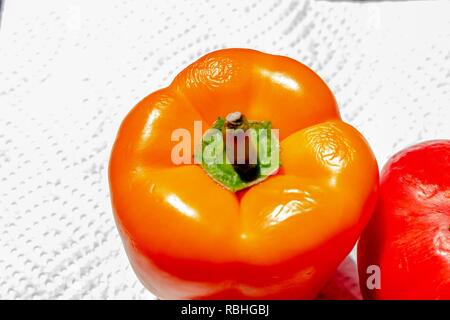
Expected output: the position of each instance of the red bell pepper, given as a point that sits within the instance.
(408, 239)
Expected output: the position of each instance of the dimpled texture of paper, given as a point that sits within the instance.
(71, 70)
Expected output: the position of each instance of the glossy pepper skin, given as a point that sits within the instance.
(188, 237)
(409, 234)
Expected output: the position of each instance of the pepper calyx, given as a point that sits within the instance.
(238, 153)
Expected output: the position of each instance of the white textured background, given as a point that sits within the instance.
(71, 70)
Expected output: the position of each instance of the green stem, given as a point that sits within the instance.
(246, 170)
(224, 160)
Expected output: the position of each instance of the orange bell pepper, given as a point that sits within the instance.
(189, 237)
